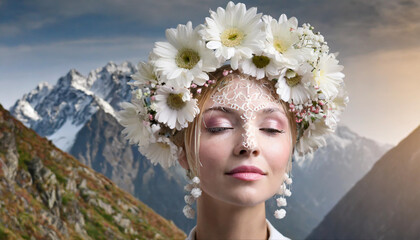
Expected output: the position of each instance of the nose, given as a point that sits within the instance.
(244, 149)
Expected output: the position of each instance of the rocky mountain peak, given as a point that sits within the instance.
(58, 112)
(72, 78)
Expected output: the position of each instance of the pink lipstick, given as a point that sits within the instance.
(247, 173)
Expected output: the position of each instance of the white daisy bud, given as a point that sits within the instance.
(279, 214)
(287, 193)
(138, 94)
(189, 199)
(196, 192)
(281, 202)
(282, 189)
(196, 180)
(188, 212)
(153, 106)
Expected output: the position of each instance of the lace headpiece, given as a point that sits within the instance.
(296, 59)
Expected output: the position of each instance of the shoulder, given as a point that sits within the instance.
(274, 234)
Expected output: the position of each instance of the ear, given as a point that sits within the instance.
(182, 159)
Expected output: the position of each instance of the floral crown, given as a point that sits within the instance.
(306, 76)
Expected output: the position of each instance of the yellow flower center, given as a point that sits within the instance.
(187, 58)
(175, 101)
(260, 61)
(163, 145)
(280, 45)
(232, 37)
(320, 77)
(292, 78)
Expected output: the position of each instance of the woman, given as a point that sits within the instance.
(235, 127)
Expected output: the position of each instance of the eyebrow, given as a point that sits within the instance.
(221, 109)
(271, 110)
(231, 110)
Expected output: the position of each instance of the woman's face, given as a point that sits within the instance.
(244, 144)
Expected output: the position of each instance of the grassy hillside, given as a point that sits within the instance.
(47, 194)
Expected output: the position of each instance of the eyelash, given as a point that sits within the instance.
(268, 130)
(217, 129)
(272, 131)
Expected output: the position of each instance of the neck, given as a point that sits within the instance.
(221, 220)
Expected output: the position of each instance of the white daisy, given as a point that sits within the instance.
(282, 38)
(163, 151)
(184, 58)
(135, 120)
(293, 85)
(313, 138)
(175, 107)
(335, 107)
(234, 33)
(260, 66)
(328, 75)
(144, 76)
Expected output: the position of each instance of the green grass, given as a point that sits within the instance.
(106, 216)
(3, 233)
(95, 230)
(24, 159)
(58, 175)
(67, 197)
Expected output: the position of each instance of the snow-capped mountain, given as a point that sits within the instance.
(24, 107)
(59, 112)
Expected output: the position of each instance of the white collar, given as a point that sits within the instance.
(274, 234)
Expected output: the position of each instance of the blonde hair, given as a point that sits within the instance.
(189, 139)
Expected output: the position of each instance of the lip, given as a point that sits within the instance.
(246, 173)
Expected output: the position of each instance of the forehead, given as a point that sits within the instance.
(244, 94)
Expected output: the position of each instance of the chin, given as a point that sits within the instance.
(247, 198)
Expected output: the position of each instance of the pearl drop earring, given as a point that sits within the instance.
(281, 201)
(194, 192)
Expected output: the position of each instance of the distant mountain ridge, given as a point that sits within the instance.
(60, 111)
(47, 194)
(385, 203)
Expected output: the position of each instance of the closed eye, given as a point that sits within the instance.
(218, 129)
(272, 130)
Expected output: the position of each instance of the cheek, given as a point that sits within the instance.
(277, 156)
(213, 156)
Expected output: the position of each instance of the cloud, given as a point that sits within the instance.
(76, 52)
(356, 26)
(35, 14)
(384, 94)
(351, 27)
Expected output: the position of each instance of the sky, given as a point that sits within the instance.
(377, 41)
